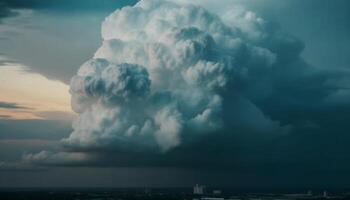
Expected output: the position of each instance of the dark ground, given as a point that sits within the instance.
(158, 194)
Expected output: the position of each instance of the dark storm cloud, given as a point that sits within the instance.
(29, 36)
(5, 11)
(7, 6)
(325, 27)
(276, 97)
(324, 30)
(67, 5)
(312, 104)
(304, 159)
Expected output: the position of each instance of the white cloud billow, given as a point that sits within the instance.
(167, 69)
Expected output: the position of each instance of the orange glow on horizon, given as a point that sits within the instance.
(33, 93)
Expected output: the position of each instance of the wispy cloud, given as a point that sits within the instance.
(11, 105)
(5, 117)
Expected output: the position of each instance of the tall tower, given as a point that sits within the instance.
(198, 189)
(325, 194)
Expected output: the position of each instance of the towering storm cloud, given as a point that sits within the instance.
(166, 70)
(171, 74)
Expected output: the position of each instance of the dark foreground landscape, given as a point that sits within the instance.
(164, 194)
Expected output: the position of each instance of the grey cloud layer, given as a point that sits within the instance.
(170, 77)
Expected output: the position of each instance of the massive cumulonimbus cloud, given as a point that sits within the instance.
(170, 72)
(167, 69)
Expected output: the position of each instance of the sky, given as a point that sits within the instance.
(244, 94)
